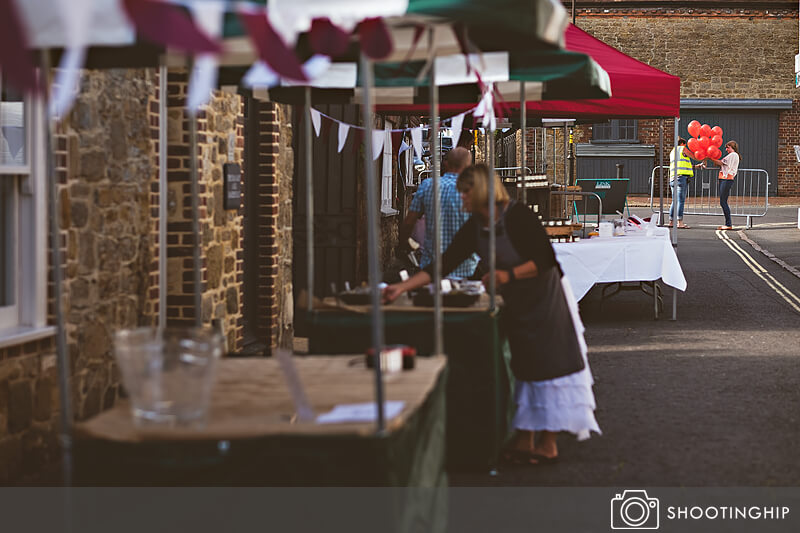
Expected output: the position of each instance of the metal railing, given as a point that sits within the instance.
(749, 197)
(585, 212)
(506, 172)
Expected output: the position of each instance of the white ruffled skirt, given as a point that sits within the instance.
(561, 404)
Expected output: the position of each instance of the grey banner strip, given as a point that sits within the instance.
(546, 509)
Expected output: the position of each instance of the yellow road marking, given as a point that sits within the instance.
(788, 296)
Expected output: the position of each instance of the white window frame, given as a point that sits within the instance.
(26, 318)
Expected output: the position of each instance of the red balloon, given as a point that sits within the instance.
(714, 152)
(705, 130)
(693, 144)
(716, 140)
(694, 128)
(716, 130)
(704, 141)
(700, 155)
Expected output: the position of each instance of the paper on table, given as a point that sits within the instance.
(360, 412)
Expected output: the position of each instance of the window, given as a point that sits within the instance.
(615, 131)
(23, 222)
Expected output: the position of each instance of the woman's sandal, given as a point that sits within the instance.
(725, 227)
(528, 458)
(684, 227)
(543, 459)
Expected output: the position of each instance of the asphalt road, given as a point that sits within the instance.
(712, 399)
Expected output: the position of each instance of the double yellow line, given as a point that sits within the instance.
(792, 299)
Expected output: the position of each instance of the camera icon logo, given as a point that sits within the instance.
(633, 509)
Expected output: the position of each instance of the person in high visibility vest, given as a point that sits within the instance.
(679, 180)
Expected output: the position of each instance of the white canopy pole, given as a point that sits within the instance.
(373, 228)
(438, 339)
(307, 149)
(523, 114)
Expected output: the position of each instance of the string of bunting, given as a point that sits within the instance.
(380, 137)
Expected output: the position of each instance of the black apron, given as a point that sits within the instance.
(535, 317)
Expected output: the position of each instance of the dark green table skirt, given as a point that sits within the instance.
(479, 387)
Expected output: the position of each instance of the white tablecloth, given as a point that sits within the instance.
(626, 258)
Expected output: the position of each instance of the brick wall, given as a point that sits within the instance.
(221, 231)
(104, 157)
(273, 227)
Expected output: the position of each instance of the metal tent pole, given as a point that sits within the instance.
(373, 227)
(438, 338)
(523, 113)
(675, 222)
(62, 354)
(198, 281)
(307, 148)
(492, 234)
(661, 171)
(163, 188)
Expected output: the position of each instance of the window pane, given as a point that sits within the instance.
(601, 132)
(12, 128)
(6, 241)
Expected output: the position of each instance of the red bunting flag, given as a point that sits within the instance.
(168, 25)
(271, 48)
(376, 43)
(328, 39)
(15, 58)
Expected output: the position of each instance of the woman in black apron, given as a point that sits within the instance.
(553, 389)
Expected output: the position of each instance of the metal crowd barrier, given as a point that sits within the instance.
(572, 194)
(749, 196)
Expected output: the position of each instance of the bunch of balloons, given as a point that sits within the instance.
(705, 142)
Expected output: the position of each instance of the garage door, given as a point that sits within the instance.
(756, 132)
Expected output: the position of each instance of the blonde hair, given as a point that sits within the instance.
(476, 179)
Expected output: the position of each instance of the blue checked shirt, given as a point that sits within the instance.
(452, 220)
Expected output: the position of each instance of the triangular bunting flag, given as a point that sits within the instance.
(403, 147)
(208, 17)
(456, 125)
(271, 48)
(168, 24)
(378, 138)
(260, 76)
(15, 58)
(344, 129)
(315, 119)
(416, 140)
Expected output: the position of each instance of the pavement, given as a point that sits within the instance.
(711, 399)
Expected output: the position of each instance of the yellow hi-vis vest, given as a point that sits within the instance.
(684, 164)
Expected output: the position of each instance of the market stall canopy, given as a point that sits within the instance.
(638, 90)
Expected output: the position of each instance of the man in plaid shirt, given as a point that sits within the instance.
(450, 208)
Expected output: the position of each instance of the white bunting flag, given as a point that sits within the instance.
(403, 147)
(416, 140)
(457, 123)
(260, 76)
(76, 17)
(316, 119)
(378, 138)
(209, 18)
(344, 129)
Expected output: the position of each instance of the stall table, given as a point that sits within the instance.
(479, 386)
(251, 437)
(630, 258)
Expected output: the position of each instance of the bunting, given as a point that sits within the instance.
(315, 120)
(209, 17)
(344, 129)
(416, 140)
(378, 138)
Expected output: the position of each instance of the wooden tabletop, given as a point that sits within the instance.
(250, 400)
(405, 304)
